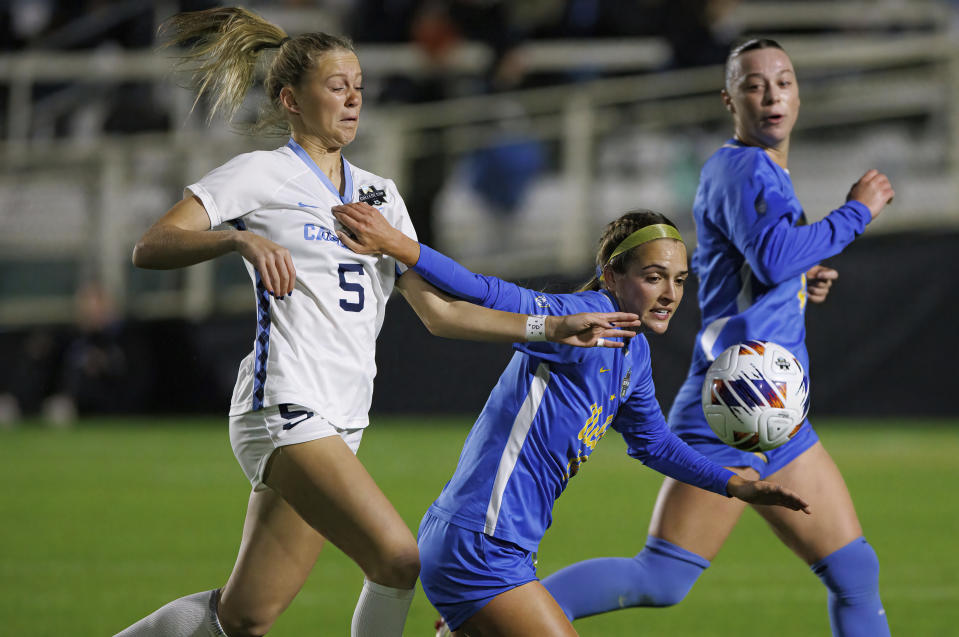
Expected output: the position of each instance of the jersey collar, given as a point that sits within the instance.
(611, 298)
(347, 195)
(732, 142)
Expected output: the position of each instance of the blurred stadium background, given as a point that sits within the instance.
(515, 130)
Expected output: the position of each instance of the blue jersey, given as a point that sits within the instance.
(544, 417)
(753, 249)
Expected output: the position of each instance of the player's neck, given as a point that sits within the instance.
(327, 160)
(778, 153)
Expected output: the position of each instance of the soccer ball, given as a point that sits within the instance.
(755, 396)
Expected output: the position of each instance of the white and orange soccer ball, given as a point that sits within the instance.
(756, 395)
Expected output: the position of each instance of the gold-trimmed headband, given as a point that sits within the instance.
(644, 235)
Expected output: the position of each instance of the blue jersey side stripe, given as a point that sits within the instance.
(262, 340)
(262, 344)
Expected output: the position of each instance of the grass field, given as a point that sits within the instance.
(101, 524)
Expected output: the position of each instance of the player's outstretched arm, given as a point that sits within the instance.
(453, 318)
(762, 492)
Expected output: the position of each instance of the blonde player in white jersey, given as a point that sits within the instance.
(300, 404)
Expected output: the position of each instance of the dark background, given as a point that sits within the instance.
(884, 344)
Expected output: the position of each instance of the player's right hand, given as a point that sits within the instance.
(873, 190)
(272, 261)
(762, 492)
(592, 329)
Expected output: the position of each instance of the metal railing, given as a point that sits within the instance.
(110, 188)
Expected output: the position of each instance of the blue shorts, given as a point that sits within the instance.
(461, 570)
(687, 421)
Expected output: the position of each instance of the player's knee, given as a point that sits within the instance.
(670, 594)
(397, 568)
(674, 585)
(675, 571)
(850, 572)
(248, 621)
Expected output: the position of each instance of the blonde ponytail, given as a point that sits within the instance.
(222, 50)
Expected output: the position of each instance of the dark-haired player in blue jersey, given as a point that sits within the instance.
(758, 264)
(543, 419)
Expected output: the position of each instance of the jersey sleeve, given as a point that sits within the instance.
(648, 439)
(759, 219)
(231, 190)
(454, 279)
(495, 293)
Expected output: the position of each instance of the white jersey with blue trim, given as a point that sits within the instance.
(316, 347)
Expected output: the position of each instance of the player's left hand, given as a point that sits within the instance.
(818, 281)
(368, 230)
(592, 329)
(762, 492)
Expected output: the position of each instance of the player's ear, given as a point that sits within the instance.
(727, 101)
(288, 100)
(608, 278)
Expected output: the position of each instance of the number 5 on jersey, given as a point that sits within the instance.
(354, 288)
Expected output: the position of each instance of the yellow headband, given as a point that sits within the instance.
(644, 235)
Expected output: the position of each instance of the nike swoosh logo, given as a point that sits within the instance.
(603, 369)
(291, 415)
(305, 205)
(290, 425)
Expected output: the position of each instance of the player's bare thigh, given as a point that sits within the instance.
(277, 552)
(525, 611)
(694, 519)
(330, 488)
(833, 523)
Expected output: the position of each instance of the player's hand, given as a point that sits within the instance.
(818, 281)
(272, 261)
(591, 329)
(872, 190)
(762, 492)
(367, 231)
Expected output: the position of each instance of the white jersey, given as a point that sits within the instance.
(316, 347)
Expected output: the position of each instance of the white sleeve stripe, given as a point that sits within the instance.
(710, 334)
(744, 301)
(514, 444)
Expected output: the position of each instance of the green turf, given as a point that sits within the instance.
(101, 524)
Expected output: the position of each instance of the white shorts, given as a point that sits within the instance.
(255, 435)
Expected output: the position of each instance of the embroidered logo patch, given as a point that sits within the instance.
(372, 195)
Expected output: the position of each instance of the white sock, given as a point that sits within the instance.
(190, 616)
(381, 611)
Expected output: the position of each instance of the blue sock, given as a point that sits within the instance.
(852, 576)
(660, 575)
